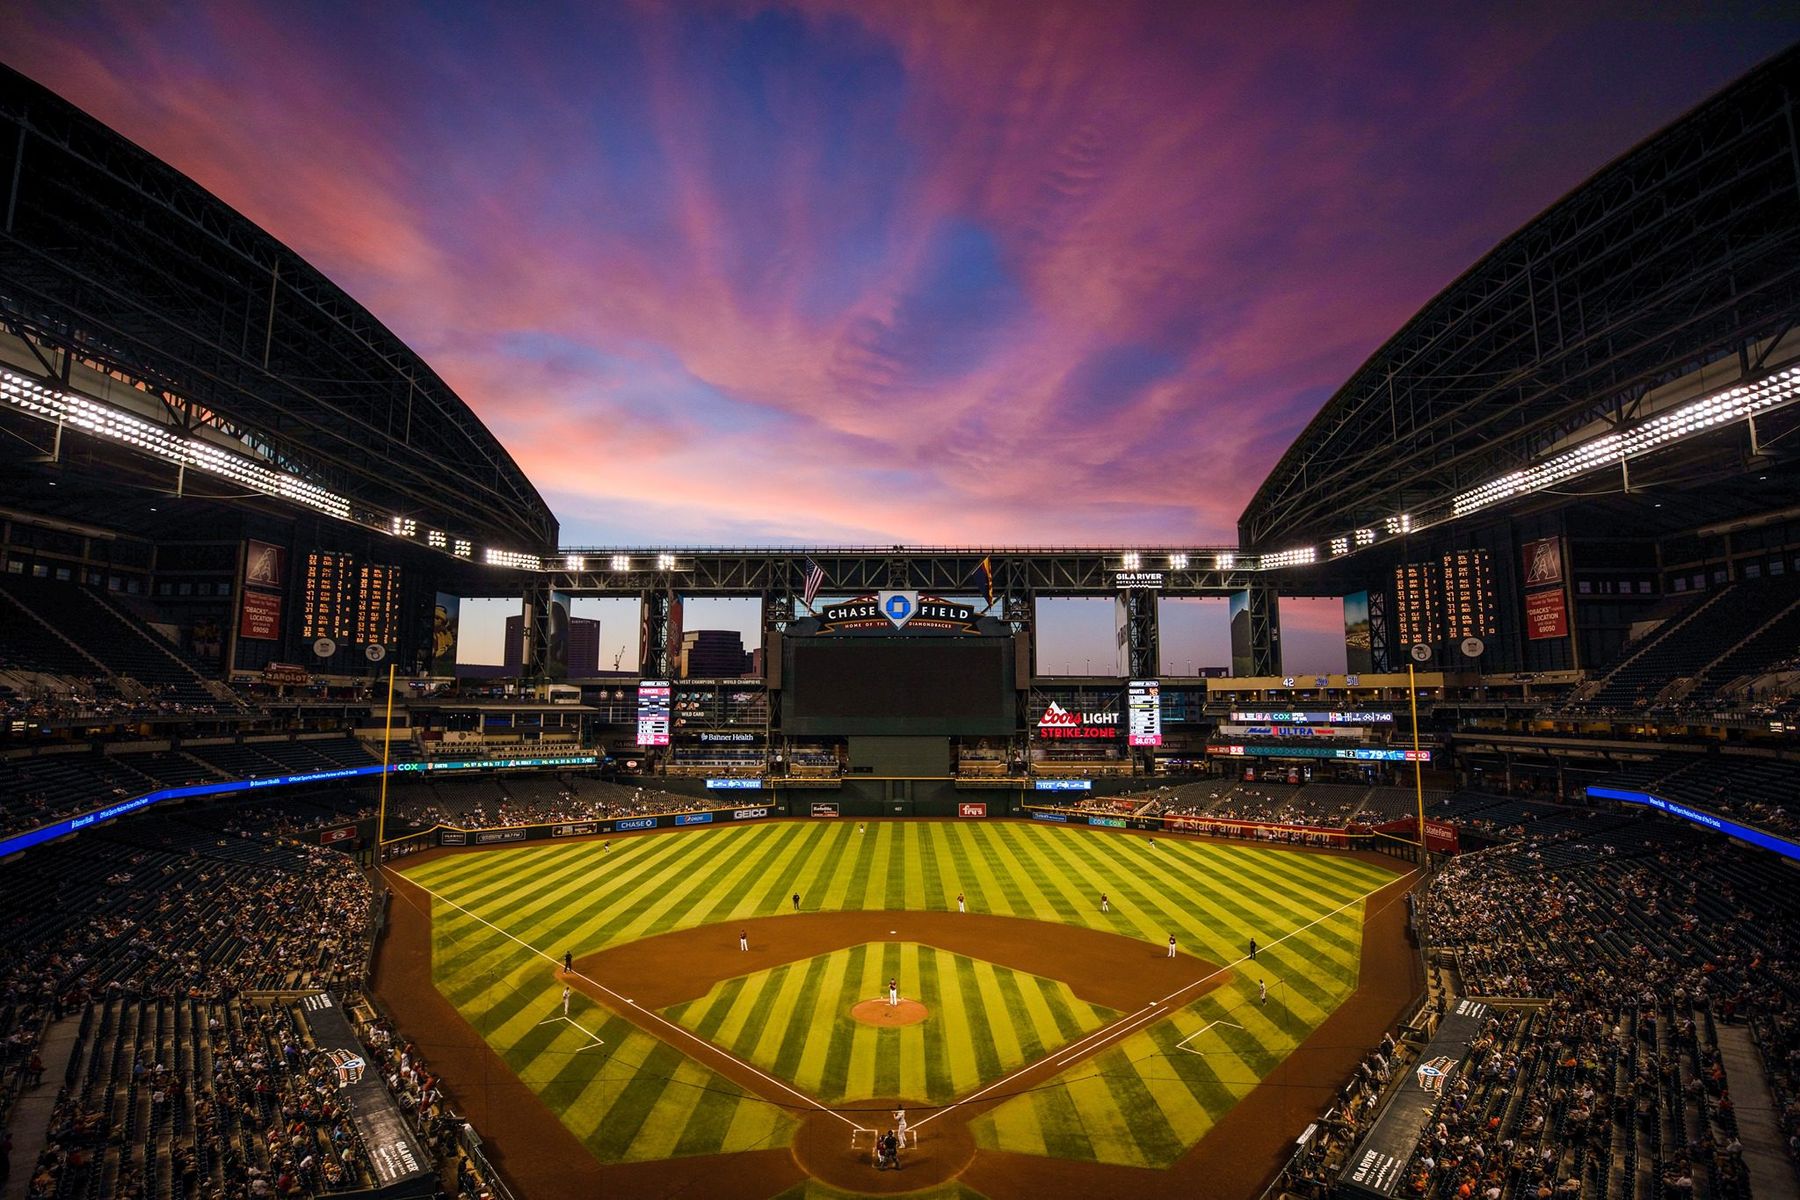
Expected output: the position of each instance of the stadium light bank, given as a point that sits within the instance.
(1727, 406)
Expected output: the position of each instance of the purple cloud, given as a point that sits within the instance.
(889, 272)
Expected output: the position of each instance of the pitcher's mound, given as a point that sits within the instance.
(889, 1016)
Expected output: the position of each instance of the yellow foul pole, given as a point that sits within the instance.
(387, 745)
(1412, 694)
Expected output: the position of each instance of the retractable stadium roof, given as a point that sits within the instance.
(1682, 253)
(118, 259)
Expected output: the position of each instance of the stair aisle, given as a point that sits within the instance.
(1771, 1174)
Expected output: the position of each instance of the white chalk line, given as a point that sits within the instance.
(1131, 1024)
(1183, 1043)
(597, 1039)
(552, 959)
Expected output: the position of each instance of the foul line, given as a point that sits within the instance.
(1093, 1041)
(706, 1045)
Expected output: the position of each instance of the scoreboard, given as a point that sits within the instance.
(653, 712)
(1143, 708)
(1416, 604)
(1468, 595)
(347, 601)
(1444, 601)
(325, 596)
(377, 605)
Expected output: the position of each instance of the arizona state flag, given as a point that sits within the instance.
(987, 573)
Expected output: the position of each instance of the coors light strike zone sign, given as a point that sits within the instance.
(1059, 722)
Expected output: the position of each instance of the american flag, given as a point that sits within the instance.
(815, 575)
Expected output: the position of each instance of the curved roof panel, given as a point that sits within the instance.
(114, 256)
(1684, 251)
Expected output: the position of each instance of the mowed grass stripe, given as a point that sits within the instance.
(809, 1073)
(1096, 870)
(925, 886)
(936, 1033)
(759, 859)
(801, 996)
(844, 1030)
(1049, 889)
(1046, 892)
(911, 1078)
(797, 870)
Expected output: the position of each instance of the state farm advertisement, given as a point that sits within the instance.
(1546, 615)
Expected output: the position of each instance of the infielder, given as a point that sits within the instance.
(960, 906)
(1171, 945)
(565, 1000)
(743, 939)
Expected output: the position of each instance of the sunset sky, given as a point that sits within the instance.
(876, 273)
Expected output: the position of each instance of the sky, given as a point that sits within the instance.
(892, 271)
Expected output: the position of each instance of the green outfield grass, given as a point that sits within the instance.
(638, 1098)
(1146, 1100)
(794, 1022)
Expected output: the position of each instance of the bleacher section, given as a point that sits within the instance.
(261, 759)
(479, 803)
(1386, 804)
(121, 644)
(1684, 646)
(27, 644)
(1756, 790)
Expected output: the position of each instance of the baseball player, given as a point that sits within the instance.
(1171, 945)
(893, 993)
(1105, 904)
(961, 906)
(565, 1000)
(743, 939)
(796, 901)
(1252, 949)
(1262, 992)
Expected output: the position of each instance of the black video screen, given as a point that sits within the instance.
(917, 685)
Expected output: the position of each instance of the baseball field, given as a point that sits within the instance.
(1045, 1039)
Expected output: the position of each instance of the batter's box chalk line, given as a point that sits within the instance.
(596, 1039)
(1183, 1043)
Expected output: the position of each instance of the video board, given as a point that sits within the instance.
(898, 685)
